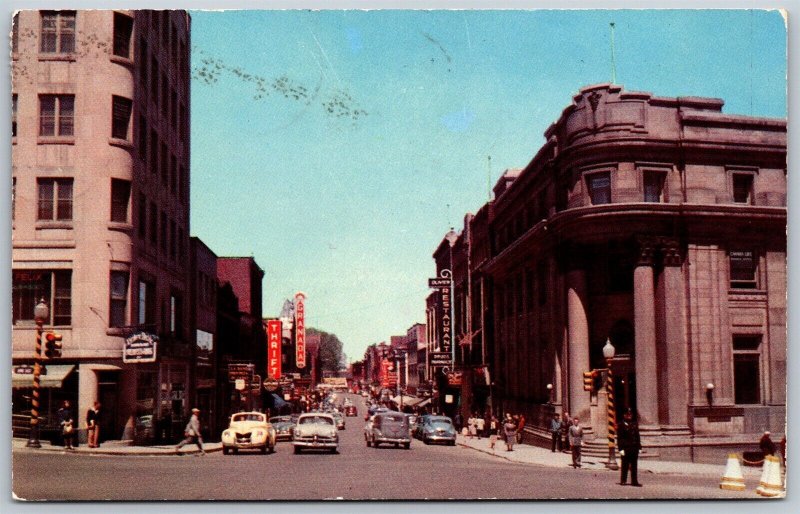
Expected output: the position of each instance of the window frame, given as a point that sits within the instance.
(52, 292)
(120, 189)
(739, 282)
(61, 34)
(750, 178)
(121, 112)
(118, 300)
(657, 178)
(63, 125)
(589, 178)
(120, 42)
(750, 355)
(61, 206)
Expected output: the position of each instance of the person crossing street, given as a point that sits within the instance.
(192, 432)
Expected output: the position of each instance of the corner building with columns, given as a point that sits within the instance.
(658, 224)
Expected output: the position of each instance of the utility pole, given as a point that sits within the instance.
(613, 60)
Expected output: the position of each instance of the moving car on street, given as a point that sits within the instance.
(339, 420)
(284, 426)
(315, 430)
(436, 429)
(389, 428)
(350, 411)
(248, 431)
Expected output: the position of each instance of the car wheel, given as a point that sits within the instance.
(264, 450)
(225, 450)
(236, 451)
(425, 440)
(272, 448)
(451, 443)
(368, 443)
(296, 450)
(407, 446)
(334, 451)
(396, 445)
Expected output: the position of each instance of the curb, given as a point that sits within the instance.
(120, 451)
(517, 461)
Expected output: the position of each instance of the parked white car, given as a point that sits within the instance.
(248, 431)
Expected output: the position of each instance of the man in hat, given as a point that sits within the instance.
(192, 432)
(766, 445)
(629, 443)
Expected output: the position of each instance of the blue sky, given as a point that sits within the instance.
(338, 147)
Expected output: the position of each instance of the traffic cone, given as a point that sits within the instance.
(732, 479)
(771, 484)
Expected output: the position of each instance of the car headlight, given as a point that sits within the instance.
(258, 433)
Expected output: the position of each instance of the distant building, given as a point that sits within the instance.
(100, 174)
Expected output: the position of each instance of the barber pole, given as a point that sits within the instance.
(300, 329)
(274, 327)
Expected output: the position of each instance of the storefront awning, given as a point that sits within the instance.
(424, 403)
(408, 401)
(56, 373)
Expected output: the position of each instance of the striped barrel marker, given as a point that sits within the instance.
(33, 440)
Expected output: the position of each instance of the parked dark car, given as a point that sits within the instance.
(284, 427)
(389, 428)
(350, 411)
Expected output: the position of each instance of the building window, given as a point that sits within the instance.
(30, 286)
(743, 188)
(599, 187)
(55, 199)
(746, 369)
(743, 269)
(142, 142)
(14, 115)
(153, 151)
(653, 186)
(153, 224)
(118, 294)
(176, 316)
(15, 33)
(147, 303)
(142, 227)
(121, 116)
(123, 29)
(163, 231)
(142, 64)
(120, 194)
(58, 32)
(56, 115)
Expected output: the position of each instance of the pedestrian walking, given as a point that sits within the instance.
(520, 426)
(66, 421)
(192, 432)
(472, 427)
(766, 445)
(555, 432)
(93, 425)
(629, 444)
(480, 425)
(575, 442)
(494, 428)
(566, 422)
(510, 432)
(458, 421)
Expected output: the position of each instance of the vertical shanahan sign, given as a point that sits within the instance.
(300, 329)
(274, 327)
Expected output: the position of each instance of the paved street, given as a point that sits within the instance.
(357, 472)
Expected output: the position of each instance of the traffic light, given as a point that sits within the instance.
(53, 345)
(588, 380)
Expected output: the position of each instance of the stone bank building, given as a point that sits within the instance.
(658, 224)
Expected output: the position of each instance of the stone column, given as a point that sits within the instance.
(578, 342)
(645, 330)
(675, 336)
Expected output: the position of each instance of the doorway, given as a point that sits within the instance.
(108, 396)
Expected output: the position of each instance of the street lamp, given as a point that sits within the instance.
(608, 353)
(710, 393)
(41, 313)
(550, 393)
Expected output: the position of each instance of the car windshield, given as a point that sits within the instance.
(248, 417)
(309, 420)
(280, 419)
(441, 423)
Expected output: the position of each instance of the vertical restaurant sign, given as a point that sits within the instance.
(444, 317)
(300, 329)
(274, 327)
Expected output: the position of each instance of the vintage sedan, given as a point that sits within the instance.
(350, 411)
(437, 429)
(284, 426)
(339, 420)
(248, 431)
(316, 431)
(389, 428)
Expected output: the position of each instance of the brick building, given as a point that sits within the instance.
(100, 160)
(658, 224)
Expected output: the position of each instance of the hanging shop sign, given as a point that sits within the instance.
(240, 371)
(274, 327)
(445, 321)
(300, 329)
(140, 348)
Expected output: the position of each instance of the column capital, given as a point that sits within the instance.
(671, 251)
(646, 247)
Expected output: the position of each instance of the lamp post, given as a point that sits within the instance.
(608, 353)
(550, 393)
(710, 393)
(41, 313)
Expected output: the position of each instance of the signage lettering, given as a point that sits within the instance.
(300, 329)
(140, 347)
(274, 328)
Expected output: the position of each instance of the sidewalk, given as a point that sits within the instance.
(527, 454)
(117, 448)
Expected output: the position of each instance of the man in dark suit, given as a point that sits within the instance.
(629, 445)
